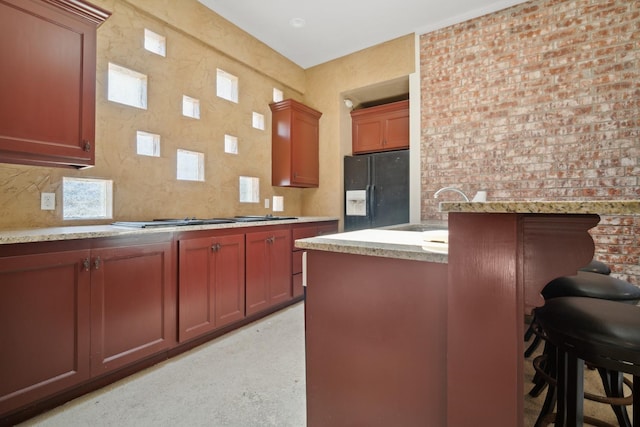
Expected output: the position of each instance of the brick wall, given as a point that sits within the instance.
(539, 101)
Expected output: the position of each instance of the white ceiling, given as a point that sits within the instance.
(335, 28)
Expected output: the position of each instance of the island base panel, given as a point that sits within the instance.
(375, 341)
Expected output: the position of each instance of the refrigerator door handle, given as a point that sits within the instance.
(371, 201)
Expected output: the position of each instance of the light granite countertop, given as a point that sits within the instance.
(30, 235)
(599, 207)
(407, 241)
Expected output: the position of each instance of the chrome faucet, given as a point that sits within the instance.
(455, 190)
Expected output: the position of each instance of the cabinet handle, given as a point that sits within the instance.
(96, 263)
(86, 146)
(271, 239)
(86, 264)
(215, 247)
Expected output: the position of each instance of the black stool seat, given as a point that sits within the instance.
(591, 285)
(605, 334)
(590, 323)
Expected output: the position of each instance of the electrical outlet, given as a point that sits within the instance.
(48, 201)
(266, 203)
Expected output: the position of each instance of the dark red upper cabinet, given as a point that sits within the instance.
(381, 128)
(47, 82)
(294, 144)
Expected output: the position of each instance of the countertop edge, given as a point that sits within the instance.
(377, 249)
(595, 207)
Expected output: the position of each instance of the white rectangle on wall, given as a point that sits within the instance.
(249, 189)
(278, 203)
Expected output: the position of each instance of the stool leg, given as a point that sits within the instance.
(636, 400)
(551, 397)
(547, 407)
(575, 391)
(532, 347)
(561, 387)
(570, 390)
(538, 380)
(529, 332)
(613, 387)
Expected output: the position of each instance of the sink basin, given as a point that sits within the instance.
(251, 218)
(419, 226)
(436, 241)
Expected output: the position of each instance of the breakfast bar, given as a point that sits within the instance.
(397, 339)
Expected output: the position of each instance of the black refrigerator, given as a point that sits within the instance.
(376, 190)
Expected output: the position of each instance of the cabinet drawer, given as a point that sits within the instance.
(304, 232)
(329, 228)
(297, 262)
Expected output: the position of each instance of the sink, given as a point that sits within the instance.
(252, 218)
(419, 226)
(436, 241)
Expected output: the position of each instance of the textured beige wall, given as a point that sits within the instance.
(326, 84)
(198, 42)
(198, 21)
(146, 187)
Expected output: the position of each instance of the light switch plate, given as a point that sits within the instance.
(48, 201)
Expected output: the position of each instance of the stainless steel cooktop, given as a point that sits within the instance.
(172, 222)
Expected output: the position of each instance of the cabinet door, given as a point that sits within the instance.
(48, 83)
(304, 159)
(268, 269)
(229, 279)
(280, 267)
(44, 318)
(131, 301)
(396, 134)
(294, 144)
(195, 288)
(367, 135)
(257, 269)
(211, 284)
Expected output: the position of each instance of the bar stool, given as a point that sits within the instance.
(593, 282)
(604, 334)
(594, 266)
(583, 284)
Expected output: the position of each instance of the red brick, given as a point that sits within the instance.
(539, 101)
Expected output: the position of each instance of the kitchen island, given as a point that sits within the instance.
(397, 341)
